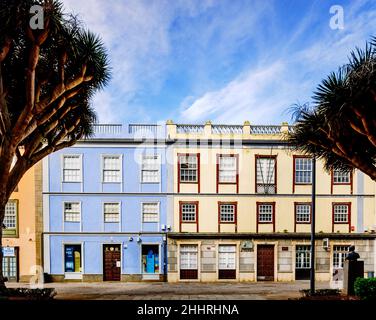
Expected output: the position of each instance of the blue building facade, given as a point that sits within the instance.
(105, 206)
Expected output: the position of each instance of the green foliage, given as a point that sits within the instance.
(339, 126)
(365, 288)
(29, 294)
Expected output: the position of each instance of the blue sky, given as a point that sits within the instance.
(219, 60)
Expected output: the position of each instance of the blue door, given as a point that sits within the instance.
(150, 262)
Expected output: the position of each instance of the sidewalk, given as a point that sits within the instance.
(168, 291)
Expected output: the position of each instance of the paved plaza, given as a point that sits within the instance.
(177, 291)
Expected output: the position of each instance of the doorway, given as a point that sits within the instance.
(150, 261)
(111, 262)
(265, 262)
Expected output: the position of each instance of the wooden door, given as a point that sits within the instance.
(265, 262)
(111, 262)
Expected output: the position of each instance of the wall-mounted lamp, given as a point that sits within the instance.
(130, 239)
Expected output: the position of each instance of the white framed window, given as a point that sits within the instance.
(265, 213)
(72, 168)
(341, 177)
(265, 175)
(303, 257)
(227, 212)
(10, 218)
(339, 255)
(303, 170)
(111, 211)
(227, 257)
(188, 165)
(72, 212)
(303, 213)
(188, 257)
(150, 169)
(227, 168)
(150, 212)
(341, 213)
(112, 168)
(188, 212)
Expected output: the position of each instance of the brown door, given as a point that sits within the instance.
(111, 262)
(265, 262)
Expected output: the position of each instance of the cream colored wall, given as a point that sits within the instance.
(284, 199)
(26, 240)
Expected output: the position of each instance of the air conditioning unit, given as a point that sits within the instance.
(325, 243)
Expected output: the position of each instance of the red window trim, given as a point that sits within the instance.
(310, 214)
(257, 156)
(348, 218)
(294, 157)
(258, 204)
(220, 155)
(332, 183)
(228, 222)
(181, 214)
(198, 170)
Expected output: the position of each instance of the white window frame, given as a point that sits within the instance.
(339, 174)
(104, 213)
(14, 216)
(180, 156)
(233, 169)
(302, 170)
(195, 205)
(158, 211)
(190, 254)
(304, 258)
(227, 213)
(79, 156)
(264, 184)
(225, 253)
(271, 213)
(120, 157)
(301, 214)
(80, 211)
(335, 215)
(339, 256)
(158, 160)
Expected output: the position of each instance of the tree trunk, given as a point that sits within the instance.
(2, 214)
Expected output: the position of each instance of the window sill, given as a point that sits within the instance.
(73, 275)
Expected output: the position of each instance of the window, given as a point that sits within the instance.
(150, 212)
(188, 166)
(71, 168)
(341, 213)
(303, 170)
(341, 177)
(339, 255)
(265, 174)
(227, 257)
(72, 212)
(111, 212)
(10, 218)
(302, 213)
(188, 212)
(265, 213)
(150, 169)
(303, 257)
(227, 212)
(72, 258)
(227, 169)
(188, 257)
(112, 169)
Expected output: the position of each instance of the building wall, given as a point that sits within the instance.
(131, 233)
(29, 226)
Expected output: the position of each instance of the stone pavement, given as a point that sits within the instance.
(177, 291)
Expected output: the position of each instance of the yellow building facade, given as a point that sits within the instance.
(23, 226)
(242, 208)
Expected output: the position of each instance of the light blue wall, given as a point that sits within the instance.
(92, 193)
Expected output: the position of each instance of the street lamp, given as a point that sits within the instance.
(313, 209)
